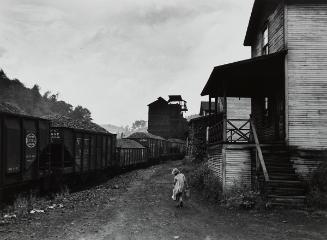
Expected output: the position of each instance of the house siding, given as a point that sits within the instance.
(216, 161)
(238, 165)
(307, 85)
(307, 75)
(275, 32)
(238, 108)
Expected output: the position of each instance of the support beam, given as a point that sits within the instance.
(209, 105)
(216, 105)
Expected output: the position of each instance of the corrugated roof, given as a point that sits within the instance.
(67, 122)
(144, 135)
(128, 143)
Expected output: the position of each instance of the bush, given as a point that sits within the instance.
(237, 196)
(202, 178)
(317, 194)
(317, 198)
(241, 196)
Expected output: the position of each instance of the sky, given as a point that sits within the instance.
(115, 57)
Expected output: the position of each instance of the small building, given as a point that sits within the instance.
(166, 119)
(285, 139)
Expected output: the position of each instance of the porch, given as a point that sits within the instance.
(252, 150)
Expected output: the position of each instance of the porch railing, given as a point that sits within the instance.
(238, 130)
(230, 130)
(215, 133)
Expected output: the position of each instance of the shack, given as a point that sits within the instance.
(285, 139)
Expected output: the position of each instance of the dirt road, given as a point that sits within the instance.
(138, 205)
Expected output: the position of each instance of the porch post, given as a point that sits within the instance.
(209, 105)
(225, 118)
(216, 105)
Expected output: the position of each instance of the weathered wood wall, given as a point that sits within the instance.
(307, 84)
(231, 163)
(216, 161)
(307, 74)
(238, 108)
(238, 165)
(275, 31)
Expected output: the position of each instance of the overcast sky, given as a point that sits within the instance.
(116, 56)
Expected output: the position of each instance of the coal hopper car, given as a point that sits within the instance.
(155, 145)
(24, 155)
(80, 147)
(131, 154)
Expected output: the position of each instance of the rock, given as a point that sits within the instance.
(176, 237)
(9, 216)
(2, 223)
(36, 211)
(116, 186)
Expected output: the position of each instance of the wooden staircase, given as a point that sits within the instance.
(276, 174)
(283, 187)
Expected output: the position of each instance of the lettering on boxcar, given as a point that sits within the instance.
(31, 140)
(55, 135)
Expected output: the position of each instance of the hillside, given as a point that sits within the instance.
(126, 131)
(30, 101)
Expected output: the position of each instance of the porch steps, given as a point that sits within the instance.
(284, 188)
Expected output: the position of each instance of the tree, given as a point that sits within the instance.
(81, 113)
(138, 124)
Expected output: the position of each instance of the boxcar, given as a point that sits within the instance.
(24, 156)
(80, 147)
(130, 153)
(155, 145)
(177, 148)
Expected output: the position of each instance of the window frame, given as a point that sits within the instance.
(265, 40)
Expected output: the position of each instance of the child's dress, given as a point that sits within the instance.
(179, 185)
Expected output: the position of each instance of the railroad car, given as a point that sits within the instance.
(131, 154)
(80, 146)
(157, 146)
(24, 156)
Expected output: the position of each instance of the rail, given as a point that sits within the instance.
(238, 130)
(260, 162)
(230, 131)
(215, 133)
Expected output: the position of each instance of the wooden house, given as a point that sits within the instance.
(285, 139)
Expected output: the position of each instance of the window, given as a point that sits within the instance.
(265, 44)
(266, 110)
